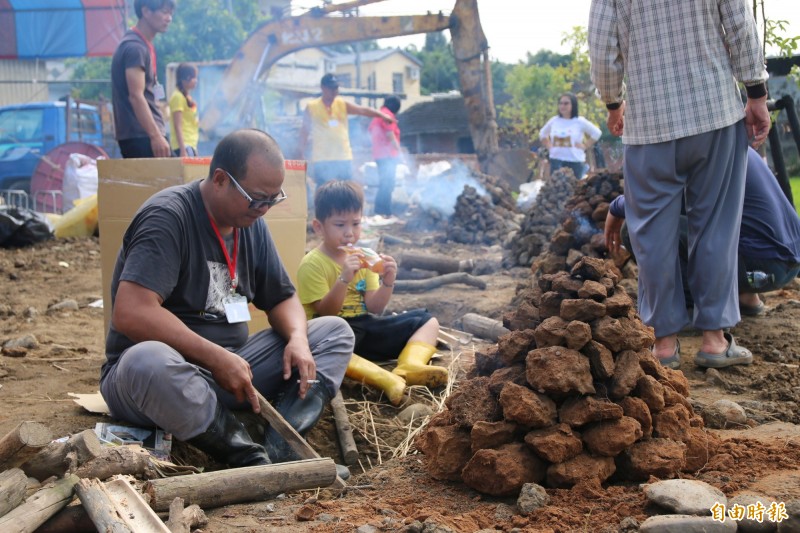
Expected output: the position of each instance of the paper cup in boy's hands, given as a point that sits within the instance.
(369, 257)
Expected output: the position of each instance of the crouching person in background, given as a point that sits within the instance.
(178, 352)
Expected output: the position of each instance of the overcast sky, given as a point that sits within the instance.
(514, 27)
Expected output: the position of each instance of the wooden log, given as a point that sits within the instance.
(22, 443)
(70, 519)
(292, 437)
(13, 483)
(407, 274)
(195, 517)
(74, 519)
(440, 263)
(25, 518)
(60, 457)
(432, 283)
(393, 239)
(130, 460)
(344, 430)
(239, 485)
(116, 507)
(175, 523)
(483, 327)
(185, 520)
(34, 485)
(100, 507)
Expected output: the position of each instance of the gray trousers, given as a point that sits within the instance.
(708, 172)
(153, 385)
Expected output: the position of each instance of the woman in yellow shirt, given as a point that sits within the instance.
(184, 129)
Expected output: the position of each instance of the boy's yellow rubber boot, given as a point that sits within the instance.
(412, 364)
(366, 371)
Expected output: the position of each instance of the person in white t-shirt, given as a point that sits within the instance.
(568, 136)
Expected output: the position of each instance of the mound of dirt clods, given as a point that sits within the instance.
(572, 393)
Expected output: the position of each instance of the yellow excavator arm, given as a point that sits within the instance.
(278, 38)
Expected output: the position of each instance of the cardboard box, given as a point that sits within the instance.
(125, 184)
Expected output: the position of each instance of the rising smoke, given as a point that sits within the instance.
(437, 186)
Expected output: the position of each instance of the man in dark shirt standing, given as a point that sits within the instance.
(135, 91)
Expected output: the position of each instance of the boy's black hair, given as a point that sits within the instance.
(152, 5)
(574, 100)
(392, 103)
(335, 197)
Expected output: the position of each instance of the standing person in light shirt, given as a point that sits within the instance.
(184, 126)
(667, 72)
(567, 136)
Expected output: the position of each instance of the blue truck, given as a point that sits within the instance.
(29, 131)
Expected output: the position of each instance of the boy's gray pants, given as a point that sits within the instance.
(153, 385)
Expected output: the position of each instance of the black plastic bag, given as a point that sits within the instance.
(22, 227)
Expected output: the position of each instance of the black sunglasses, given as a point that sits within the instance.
(257, 204)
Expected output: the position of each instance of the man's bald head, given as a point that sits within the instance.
(235, 149)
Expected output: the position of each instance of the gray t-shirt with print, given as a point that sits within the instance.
(170, 248)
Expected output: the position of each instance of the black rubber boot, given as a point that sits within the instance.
(302, 415)
(228, 442)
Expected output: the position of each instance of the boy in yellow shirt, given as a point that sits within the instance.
(336, 278)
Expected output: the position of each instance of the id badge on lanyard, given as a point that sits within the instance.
(236, 309)
(158, 91)
(235, 305)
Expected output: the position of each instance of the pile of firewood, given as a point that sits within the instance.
(541, 219)
(420, 219)
(122, 488)
(571, 395)
(484, 219)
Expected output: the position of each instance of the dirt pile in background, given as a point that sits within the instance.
(484, 218)
(573, 393)
(541, 219)
(581, 233)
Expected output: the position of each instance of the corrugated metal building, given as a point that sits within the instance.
(18, 81)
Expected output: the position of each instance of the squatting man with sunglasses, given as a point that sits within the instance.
(178, 352)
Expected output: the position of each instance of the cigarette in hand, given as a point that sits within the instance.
(310, 381)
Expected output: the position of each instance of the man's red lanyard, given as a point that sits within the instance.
(152, 53)
(231, 262)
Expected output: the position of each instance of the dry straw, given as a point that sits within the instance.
(377, 430)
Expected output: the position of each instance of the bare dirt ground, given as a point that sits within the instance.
(394, 494)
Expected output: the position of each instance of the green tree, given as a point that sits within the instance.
(548, 57)
(204, 31)
(500, 72)
(774, 31)
(94, 73)
(435, 41)
(534, 91)
(439, 72)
